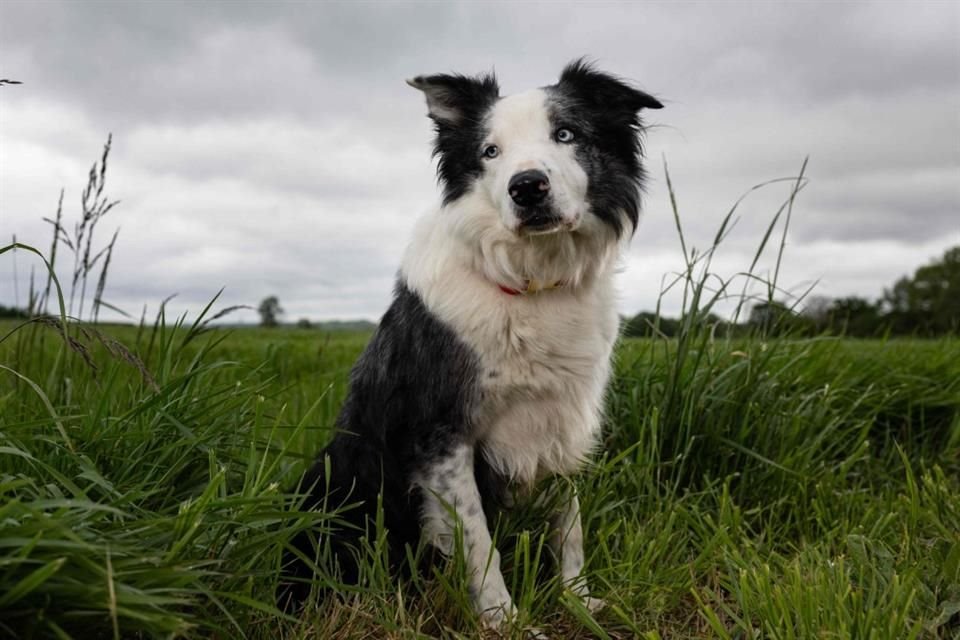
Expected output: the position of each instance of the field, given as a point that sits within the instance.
(747, 488)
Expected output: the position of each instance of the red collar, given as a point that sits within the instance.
(530, 286)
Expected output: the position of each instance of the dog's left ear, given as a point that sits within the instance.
(453, 98)
(604, 91)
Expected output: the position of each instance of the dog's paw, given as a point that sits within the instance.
(580, 592)
(496, 617)
(593, 604)
(501, 619)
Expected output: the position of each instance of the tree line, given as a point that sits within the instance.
(926, 304)
(12, 312)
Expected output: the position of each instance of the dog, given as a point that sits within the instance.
(488, 371)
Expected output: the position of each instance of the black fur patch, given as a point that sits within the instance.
(602, 111)
(410, 399)
(460, 134)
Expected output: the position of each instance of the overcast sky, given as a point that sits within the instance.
(275, 148)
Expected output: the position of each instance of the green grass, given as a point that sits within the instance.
(746, 488)
(753, 487)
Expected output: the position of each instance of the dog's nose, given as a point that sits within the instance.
(528, 188)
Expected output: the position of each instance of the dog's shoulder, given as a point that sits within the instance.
(412, 388)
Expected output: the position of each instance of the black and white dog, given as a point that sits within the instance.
(487, 372)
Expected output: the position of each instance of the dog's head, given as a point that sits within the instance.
(562, 159)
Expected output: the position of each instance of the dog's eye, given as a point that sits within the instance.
(564, 135)
(491, 151)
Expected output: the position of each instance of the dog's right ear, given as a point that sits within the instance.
(453, 98)
(612, 97)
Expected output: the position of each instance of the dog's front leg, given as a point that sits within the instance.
(566, 541)
(450, 494)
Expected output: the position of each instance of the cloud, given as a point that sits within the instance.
(275, 149)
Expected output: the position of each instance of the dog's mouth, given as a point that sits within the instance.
(540, 223)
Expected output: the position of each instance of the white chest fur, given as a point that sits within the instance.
(544, 357)
(545, 362)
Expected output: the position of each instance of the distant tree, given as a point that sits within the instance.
(776, 318)
(769, 317)
(12, 312)
(718, 325)
(817, 310)
(854, 316)
(304, 323)
(646, 324)
(269, 311)
(929, 302)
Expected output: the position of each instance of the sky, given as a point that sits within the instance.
(275, 149)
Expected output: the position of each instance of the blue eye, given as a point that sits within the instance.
(491, 151)
(564, 135)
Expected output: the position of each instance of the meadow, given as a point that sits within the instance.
(746, 488)
(750, 484)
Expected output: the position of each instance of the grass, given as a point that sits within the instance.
(747, 487)
(781, 489)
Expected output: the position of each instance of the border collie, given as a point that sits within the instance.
(487, 372)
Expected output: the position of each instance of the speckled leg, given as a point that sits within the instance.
(566, 541)
(450, 493)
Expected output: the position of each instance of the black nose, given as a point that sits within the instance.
(528, 188)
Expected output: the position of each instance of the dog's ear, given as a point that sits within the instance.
(604, 91)
(453, 98)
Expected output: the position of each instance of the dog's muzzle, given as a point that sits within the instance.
(529, 190)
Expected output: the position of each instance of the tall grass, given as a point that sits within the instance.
(94, 206)
(749, 487)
